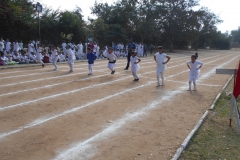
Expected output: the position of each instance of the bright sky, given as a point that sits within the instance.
(228, 10)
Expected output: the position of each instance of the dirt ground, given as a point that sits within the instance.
(47, 114)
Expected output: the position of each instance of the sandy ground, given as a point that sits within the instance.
(49, 114)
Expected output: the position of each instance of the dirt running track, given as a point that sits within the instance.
(60, 115)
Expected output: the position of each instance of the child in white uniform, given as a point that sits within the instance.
(3, 59)
(8, 45)
(30, 47)
(194, 67)
(1, 45)
(160, 57)
(80, 50)
(112, 60)
(16, 57)
(54, 57)
(39, 56)
(134, 65)
(71, 58)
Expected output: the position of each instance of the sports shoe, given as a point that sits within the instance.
(136, 79)
(55, 69)
(70, 71)
(158, 85)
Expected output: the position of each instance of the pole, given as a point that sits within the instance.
(39, 27)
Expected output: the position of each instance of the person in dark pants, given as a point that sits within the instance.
(151, 48)
(131, 46)
(145, 50)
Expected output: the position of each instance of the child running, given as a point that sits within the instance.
(159, 57)
(71, 58)
(194, 67)
(91, 58)
(134, 65)
(54, 57)
(112, 60)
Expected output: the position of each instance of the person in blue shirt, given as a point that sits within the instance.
(131, 46)
(91, 58)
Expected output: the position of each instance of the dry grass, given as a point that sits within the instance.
(215, 140)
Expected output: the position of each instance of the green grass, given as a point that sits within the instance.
(215, 140)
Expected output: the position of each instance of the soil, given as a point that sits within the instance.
(49, 114)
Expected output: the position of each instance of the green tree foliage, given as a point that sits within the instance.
(168, 22)
(172, 23)
(235, 34)
(19, 21)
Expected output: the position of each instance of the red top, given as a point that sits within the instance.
(90, 45)
(236, 90)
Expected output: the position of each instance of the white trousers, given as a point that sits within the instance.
(71, 66)
(111, 66)
(90, 68)
(55, 63)
(135, 75)
(162, 77)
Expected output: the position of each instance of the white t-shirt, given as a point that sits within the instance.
(1, 45)
(95, 48)
(112, 57)
(30, 47)
(80, 48)
(54, 53)
(134, 67)
(194, 66)
(160, 58)
(8, 44)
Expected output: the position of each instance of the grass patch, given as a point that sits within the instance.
(215, 139)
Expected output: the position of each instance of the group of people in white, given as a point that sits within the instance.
(14, 52)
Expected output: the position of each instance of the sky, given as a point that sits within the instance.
(227, 10)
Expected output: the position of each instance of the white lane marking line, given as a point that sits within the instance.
(75, 68)
(85, 146)
(173, 56)
(65, 76)
(47, 86)
(77, 90)
(43, 120)
(48, 72)
(78, 63)
(40, 121)
(41, 79)
(203, 84)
